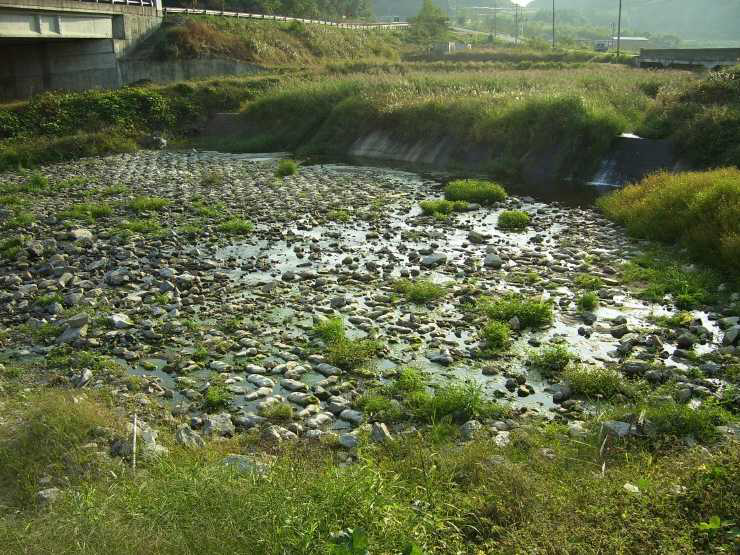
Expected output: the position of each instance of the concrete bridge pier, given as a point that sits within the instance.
(67, 44)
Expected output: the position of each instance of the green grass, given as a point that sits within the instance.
(658, 274)
(20, 219)
(278, 412)
(477, 497)
(286, 168)
(212, 179)
(148, 204)
(442, 209)
(531, 313)
(409, 379)
(420, 291)
(351, 354)
(330, 329)
(697, 210)
(588, 282)
(496, 336)
(88, 212)
(378, 407)
(144, 227)
(46, 300)
(236, 226)
(457, 402)
(11, 248)
(587, 302)
(516, 220)
(474, 190)
(592, 382)
(216, 398)
(551, 361)
(339, 216)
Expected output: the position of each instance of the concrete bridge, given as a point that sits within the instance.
(68, 44)
(709, 58)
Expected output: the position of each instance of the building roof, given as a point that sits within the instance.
(632, 38)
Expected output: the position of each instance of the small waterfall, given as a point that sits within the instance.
(631, 158)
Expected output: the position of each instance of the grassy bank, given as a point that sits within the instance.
(58, 126)
(542, 493)
(696, 210)
(703, 118)
(514, 115)
(265, 43)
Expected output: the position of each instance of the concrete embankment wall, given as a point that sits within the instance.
(132, 71)
(628, 160)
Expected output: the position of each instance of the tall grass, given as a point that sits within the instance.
(700, 210)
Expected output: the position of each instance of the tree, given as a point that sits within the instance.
(429, 26)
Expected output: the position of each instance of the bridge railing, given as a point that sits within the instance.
(266, 17)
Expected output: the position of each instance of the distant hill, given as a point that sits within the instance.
(409, 8)
(688, 19)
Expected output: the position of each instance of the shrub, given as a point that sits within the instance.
(409, 379)
(87, 212)
(588, 301)
(496, 336)
(379, 407)
(587, 281)
(459, 402)
(20, 219)
(551, 360)
(531, 313)
(700, 210)
(236, 226)
(474, 190)
(11, 248)
(286, 168)
(513, 219)
(420, 291)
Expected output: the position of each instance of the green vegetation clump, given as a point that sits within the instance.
(496, 336)
(442, 208)
(475, 190)
(236, 226)
(588, 301)
(513, 219)
(330, 329)
(286, 168)
(11, 248)
(657, 274)
(551, 361)
(592, 382)
(146, 204)
(140, 226)
(278, 412)
(531, 313)
(216, 398)
(420, 291)
(589, 282)
(698, 210)
(351, 354)
(20, 219)
(457, 402)
(212, 179)
(87, 212)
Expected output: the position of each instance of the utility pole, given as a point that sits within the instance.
(553, 24)
(516, 32)
(619, 31)
(495, 12)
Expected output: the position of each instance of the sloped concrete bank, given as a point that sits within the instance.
(629, 159)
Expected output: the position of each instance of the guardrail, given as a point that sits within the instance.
(190, 11)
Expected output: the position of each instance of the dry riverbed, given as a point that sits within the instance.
(190, 286)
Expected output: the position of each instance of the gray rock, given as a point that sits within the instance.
(477, 238)
(78, 320)
(380, 433)
(70, 335)
(188, 437)
(732, 336)
(244, 464)
(119, 321)
(470, 429)
(81, 235)
(218, 425)
(617, 429)
(686, 341)
(492, 260)
(353, 416)
(433, 260)
(48, 496)
(620, 331)
(348, 441)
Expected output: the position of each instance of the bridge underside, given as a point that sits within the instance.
(34, 65)
(56, 44)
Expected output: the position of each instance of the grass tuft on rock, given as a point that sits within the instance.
(236, 226)
(148, 204)
(286, 168)
(441, 208)
(551, 361)
(475, 190)
(496, 336)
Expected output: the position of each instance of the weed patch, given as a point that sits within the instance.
(515, 220)
(474, 190)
